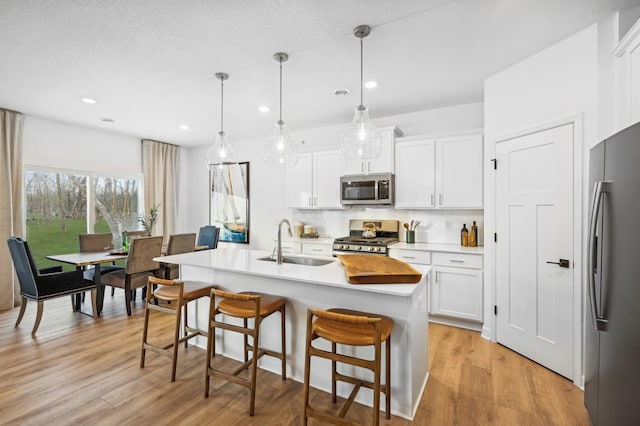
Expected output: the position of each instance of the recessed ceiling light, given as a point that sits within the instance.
(89, 101)
(263, 109)
(371, 84)
(341, 92)
(184, 127)
(108, 120)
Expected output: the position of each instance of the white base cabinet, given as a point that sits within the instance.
(455, 285)
(456, 291)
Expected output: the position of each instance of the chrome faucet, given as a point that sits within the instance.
(279, 257)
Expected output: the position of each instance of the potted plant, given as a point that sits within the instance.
(148, 222)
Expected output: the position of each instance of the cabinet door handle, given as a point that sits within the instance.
(440, 198)
(315, 249)
(432, 199)
(456, 261)
(309, 202)
(408, 257)
(436, 276)
(315, 201)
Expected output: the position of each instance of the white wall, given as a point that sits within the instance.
(52, 144)
(268, 184)
(559, 82)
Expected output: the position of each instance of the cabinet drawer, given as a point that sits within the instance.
(317, 249)
(458, 260)
(411, 256)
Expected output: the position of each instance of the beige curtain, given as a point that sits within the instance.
(161, 167)
(11, 212)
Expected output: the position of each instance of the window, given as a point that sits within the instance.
(61, 205)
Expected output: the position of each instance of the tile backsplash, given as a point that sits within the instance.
(437, 226)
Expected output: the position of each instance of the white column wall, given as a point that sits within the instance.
(559, 83)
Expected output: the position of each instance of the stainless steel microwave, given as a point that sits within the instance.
(367, 189)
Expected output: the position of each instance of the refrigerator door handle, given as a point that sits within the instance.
(600, 188)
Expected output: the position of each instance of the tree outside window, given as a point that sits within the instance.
(60, 205)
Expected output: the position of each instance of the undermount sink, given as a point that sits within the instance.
(307, 261)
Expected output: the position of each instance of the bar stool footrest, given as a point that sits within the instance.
(329, 418)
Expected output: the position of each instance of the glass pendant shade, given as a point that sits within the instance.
(220, 152)
(360, 139)
(280, 150)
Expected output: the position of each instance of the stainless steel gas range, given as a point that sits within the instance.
(368, 236)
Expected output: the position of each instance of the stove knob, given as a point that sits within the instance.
(378, 249)
(372, 248)
(358, 247)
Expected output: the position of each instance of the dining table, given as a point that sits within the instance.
(95, 259)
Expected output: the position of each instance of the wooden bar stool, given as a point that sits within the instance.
(179, 294)
(353, 328)
(244, 305)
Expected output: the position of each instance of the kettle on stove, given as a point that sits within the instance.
(369, 230)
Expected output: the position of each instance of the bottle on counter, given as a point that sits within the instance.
(464, 235)
(473, 235)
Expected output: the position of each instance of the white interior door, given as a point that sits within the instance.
(534, 223)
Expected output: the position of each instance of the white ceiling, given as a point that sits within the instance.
(150, 64)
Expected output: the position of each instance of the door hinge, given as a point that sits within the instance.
(495, 309)
(495, 237)
(495, 163)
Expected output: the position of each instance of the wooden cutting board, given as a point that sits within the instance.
(374, 269)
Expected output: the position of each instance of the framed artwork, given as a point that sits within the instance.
(229, 201)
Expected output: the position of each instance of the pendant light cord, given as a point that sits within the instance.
(280, 90)
(361, 70)
(222, 106)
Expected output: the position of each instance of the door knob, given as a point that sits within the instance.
(563, 263)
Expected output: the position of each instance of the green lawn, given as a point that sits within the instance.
(48, 238)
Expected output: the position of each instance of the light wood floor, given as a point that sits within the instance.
(81, 371)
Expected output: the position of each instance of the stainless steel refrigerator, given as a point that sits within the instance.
(612, 314)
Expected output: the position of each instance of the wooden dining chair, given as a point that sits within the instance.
(140, 266)
(94, 243)
(178, 243)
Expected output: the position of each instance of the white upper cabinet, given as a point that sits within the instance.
(627, 87)
(459, 172)
(300, 183)
(327, 169)
(439, 172)
(314, 182)
(384, 163)
(415, 173)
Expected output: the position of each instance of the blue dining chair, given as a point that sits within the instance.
(208, 236)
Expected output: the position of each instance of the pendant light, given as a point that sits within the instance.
(360, 139)
(280, 150)
(221, 152)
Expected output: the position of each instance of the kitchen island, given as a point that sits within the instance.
(323, 287)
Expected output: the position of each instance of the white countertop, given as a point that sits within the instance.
(245, 261)
(447, 248)
(319, 240)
